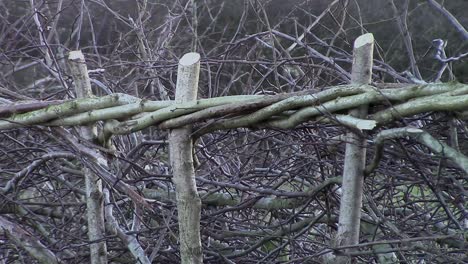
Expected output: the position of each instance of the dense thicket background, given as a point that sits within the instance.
(133, 47)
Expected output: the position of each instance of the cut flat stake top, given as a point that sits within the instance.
(363, 40)
(189, 59)
(76, 55)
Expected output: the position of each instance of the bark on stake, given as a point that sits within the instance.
(180, 149)
(94, 195)
(355, 155)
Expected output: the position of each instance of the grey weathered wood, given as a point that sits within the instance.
(181, 155)
(94, 195)
(353, 171)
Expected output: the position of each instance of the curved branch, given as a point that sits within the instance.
(26, 171)
(422, 137)
(26, 241)
(449, 17)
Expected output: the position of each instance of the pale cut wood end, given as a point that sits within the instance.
(363, 40)
(414, 130)
(75, 55)
(189, 59)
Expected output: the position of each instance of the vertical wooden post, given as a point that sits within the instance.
(181, 155)
(94, 195)
(355, 155)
